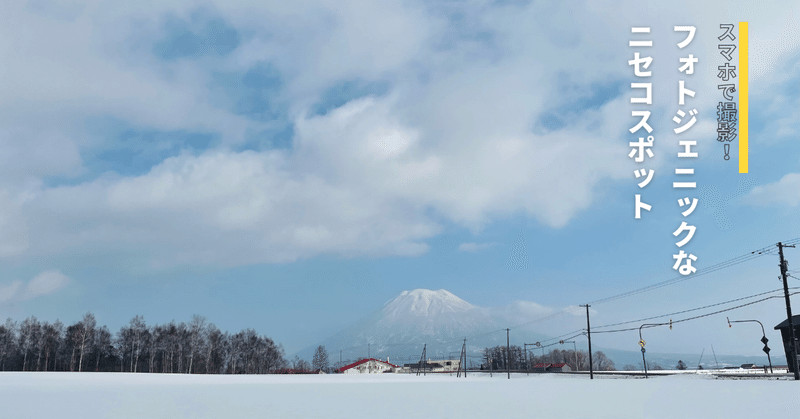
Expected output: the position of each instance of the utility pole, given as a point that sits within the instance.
(422, 359)
(463, 356)
(699, 366)
(527, 362)
(715, 356)
(793, 342)
(589, 335)
(508, 354)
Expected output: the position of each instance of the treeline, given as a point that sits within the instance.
(198, 347)
(499, 357)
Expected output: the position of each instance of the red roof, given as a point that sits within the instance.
(357, 363)
(541, 365)
(560, 365)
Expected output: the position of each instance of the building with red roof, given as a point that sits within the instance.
(369, 366)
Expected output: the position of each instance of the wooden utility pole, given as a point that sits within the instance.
(508, 355)
(589, 335)
(462, 360)
(527, 362)
(793, 341)
(423, 359)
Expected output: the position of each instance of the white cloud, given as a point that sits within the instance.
(453, 141)
(228, 208)
(46, 283)
(528, 310)
(786, 191)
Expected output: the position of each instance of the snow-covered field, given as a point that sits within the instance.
(117, 395)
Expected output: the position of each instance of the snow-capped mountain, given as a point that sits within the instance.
(424, 314)
(437, 319)
(425, 303)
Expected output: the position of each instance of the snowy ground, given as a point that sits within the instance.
(117, 395)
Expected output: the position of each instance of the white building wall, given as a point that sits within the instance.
(370, 367)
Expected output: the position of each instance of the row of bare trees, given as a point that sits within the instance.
(198, 347)
(516, 358)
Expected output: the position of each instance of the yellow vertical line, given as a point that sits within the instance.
(744, 102)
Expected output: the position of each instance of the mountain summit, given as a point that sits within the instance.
(422, 316)
(425, 303)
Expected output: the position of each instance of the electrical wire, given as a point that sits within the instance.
(695, 317)
(714, 268)
(692, 309)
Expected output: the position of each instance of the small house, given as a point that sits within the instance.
(540, 367)
(368, 366)
(788, 350)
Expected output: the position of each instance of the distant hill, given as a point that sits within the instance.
(670, 361)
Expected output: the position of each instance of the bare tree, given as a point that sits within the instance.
(29, 332)
(51, 338)
(131, 340)
(102, 346)
(71, 344)
(155, 345)
(170, 344)
(652, 366)
(86, 334)
(196, 334)
(199, 347)
(602, 362)
(501, 357)
(300, 364)
(275, 356)
(235, 351)
(7, 341)
(214, 349)
(139, 333)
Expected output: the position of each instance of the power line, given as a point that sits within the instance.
(562, 337)
(581, 332)
(716, 267)
(696, 317)
(692, 309)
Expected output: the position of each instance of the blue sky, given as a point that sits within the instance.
(292, 166)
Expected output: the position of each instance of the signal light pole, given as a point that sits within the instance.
(764, 339)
